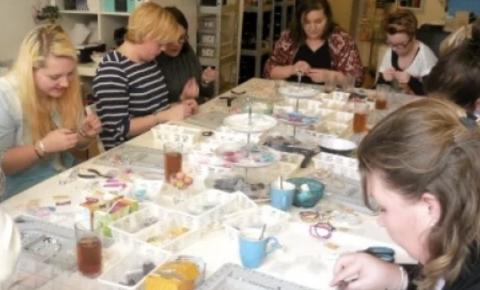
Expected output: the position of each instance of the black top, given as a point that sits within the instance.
(469, 278)
(319, 58)
(415, 84)
(178, 70)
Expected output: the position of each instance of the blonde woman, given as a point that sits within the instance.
(130, 89)
(41, 113)
(420, 165)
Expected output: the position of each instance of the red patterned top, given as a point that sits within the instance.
(343, 52)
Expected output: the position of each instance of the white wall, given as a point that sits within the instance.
(15, 21)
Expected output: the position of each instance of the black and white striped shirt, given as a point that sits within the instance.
(123, 90)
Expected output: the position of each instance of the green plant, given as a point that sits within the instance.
(49, 12)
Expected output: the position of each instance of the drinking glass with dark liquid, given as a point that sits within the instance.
(360, 117)
(172, 154)
(89, 250)
(381, 97)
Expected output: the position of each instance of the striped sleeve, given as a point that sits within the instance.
(110, 88)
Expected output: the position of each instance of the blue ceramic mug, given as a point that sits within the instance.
(254, 250)
(281, 197)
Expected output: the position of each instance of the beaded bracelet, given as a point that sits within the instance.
(321, 230)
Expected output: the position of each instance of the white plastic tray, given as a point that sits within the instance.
(234, 277)
(274, 219)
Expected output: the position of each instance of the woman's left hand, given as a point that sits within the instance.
(209, 75)
(317, 75)
(91, 126)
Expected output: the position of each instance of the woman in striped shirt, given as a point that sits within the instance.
(130, 89)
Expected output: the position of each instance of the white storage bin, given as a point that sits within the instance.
(337, 164)
(209, 207)
(174, 234)
(126, 229)
(130, 272)
(171, 132)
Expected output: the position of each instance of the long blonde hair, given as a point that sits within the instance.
(152, 22)
(41, 42)
(426, 146)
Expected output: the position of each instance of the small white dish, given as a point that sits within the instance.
(258, 123)
(336, 145)
(299, 92)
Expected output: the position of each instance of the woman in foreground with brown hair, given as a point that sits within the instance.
(421, 167)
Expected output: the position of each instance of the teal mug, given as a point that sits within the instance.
(254, 250)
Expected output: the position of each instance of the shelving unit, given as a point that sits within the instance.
(264, 20)
(218, 41)
(257, 38)
(102, 20)
(410, 4)
(284, 11)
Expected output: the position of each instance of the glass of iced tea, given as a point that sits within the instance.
(330, 83)
(89, 250)
(360, 116)
(381, 97)
(172, 154)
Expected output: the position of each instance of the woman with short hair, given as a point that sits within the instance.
(407, 60)
(129, 87)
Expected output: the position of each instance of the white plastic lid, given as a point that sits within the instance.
(305, 187)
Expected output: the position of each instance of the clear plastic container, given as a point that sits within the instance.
(172, 233)
(125, 229)
(275, 221)
(209, 207)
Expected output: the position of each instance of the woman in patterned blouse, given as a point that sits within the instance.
(316, 48)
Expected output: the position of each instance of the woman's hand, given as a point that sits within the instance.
(388, 74)
(190, 90)
(319, 75)
(209, 75)
(359, 271)
(191, 107)
(300, 67)
(182, 110)
(91, 126)
(402, 77)
(59, 140)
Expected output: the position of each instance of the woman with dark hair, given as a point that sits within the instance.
(407, 60)
(183, 72)
(315, 47)
(456, 76)
(420, 166)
